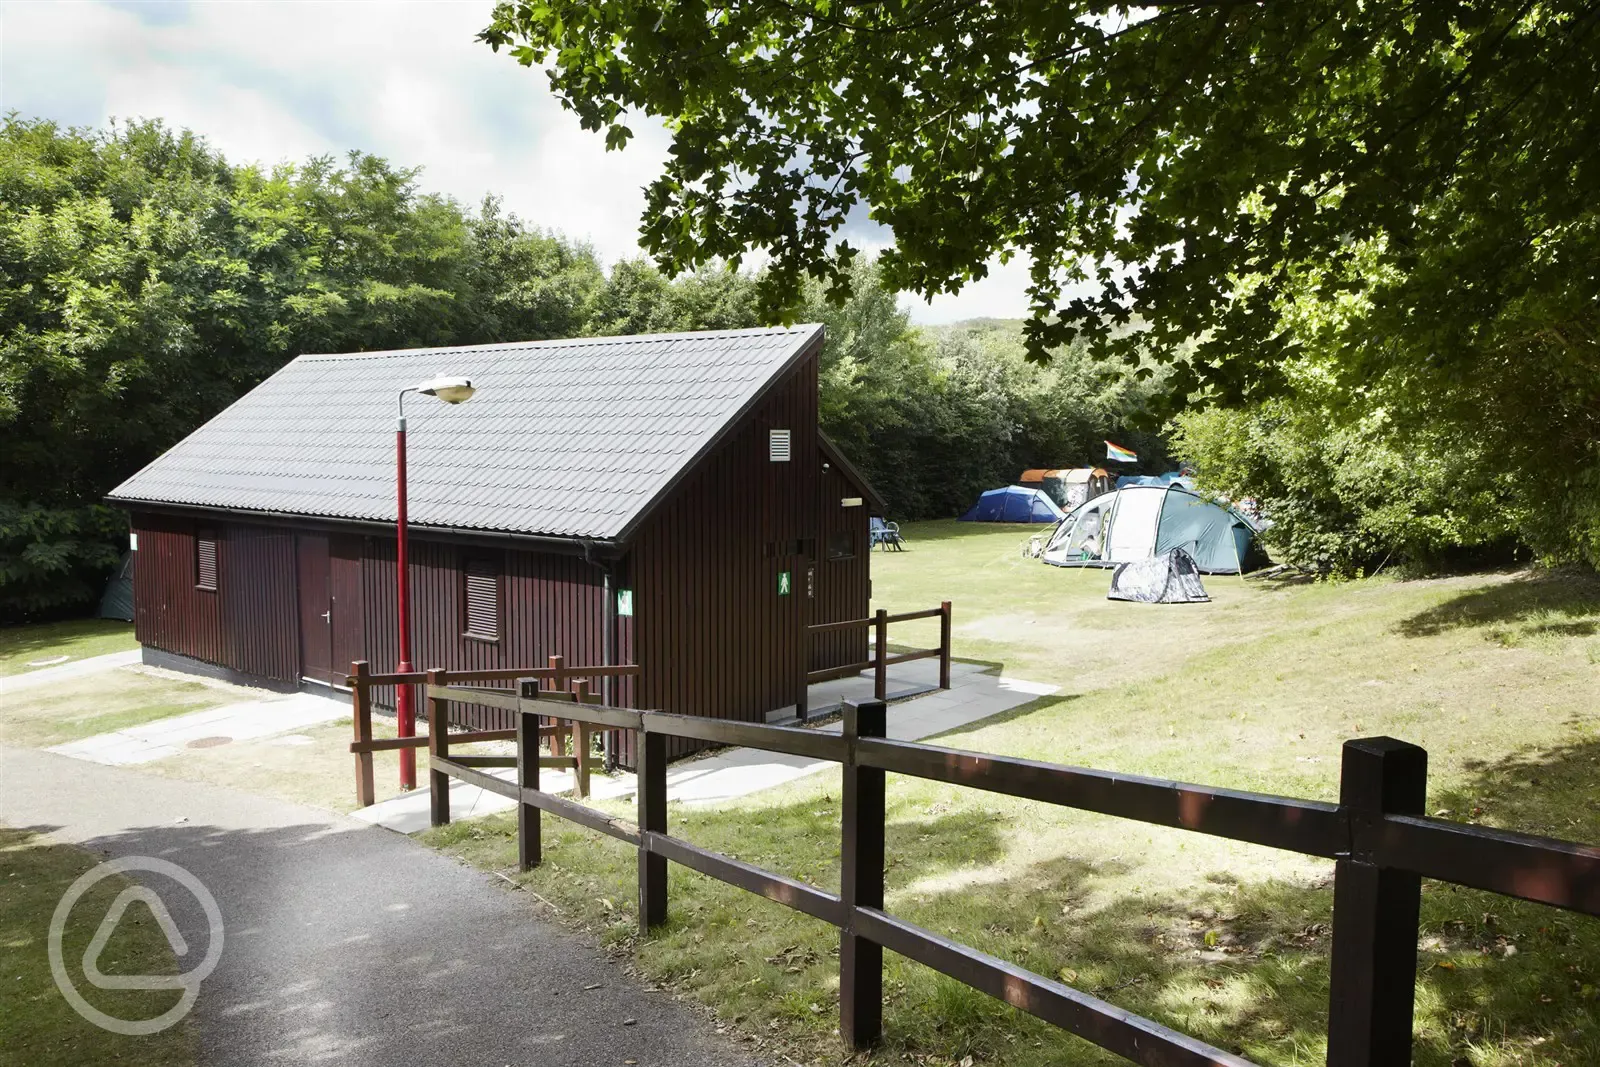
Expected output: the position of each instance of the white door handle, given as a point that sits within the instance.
(327, 616)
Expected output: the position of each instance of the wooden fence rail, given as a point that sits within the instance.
(880, 661)
(1382, 844)
(438, 741)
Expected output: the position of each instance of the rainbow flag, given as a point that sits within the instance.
(1120, 454)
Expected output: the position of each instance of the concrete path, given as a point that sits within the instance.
(275, 713)
(348, 946)
(45, 675)
(974, 695)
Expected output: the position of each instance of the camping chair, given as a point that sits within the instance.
(886, 534)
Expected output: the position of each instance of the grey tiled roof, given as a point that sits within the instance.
(563, 438)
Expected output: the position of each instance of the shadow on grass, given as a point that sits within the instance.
(20, 642)
(1240, 964)
(1246, 968)
(1560, 603)
(1038, 704)
(1550, 792)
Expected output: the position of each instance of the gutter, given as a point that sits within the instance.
(544, 542)
(608, 641)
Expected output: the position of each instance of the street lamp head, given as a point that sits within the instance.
(450, 390)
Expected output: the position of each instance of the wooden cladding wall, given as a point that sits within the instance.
(550, 605)
(712, 634)
(257, 590)
(246, 624)
(844, 586)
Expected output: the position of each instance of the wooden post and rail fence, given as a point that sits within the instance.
(1381, 841)
(879, 661)
(558, 730)
(558, 674)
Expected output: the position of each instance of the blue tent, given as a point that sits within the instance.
(1014, 503)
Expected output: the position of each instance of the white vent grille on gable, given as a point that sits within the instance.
(778, 446)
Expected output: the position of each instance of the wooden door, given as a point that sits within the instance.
(346, 626)
(316, 608)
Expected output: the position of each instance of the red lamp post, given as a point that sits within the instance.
(451, 391)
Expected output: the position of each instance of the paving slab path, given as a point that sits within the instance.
(76, 669)
(260, 716)
(348, 945)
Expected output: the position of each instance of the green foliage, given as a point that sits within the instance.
(934, 417)
(54, 559)
(638, 299)
(145, 283)
(1346, 499)
(1395, 197)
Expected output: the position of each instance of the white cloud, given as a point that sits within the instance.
(1001, 294)
(269, 82)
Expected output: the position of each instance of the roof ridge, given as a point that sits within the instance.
(568, 342)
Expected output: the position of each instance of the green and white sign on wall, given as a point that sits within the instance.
(785, 581)
(625, 602)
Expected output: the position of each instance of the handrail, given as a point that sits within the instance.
(880, 660)
(362, 682)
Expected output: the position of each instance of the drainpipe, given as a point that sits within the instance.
(608, 639)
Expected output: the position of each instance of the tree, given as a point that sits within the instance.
(1397, 196)
(145, 283)
(640, 299)
(935, 416)
(526, 285)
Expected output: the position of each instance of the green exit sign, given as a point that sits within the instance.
(785, 583)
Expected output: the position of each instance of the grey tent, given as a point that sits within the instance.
(1141, 521)
(1170, 578)
(117, 601)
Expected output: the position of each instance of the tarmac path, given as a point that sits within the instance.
(351, 945)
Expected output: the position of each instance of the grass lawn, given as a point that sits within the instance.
(1496, 675)
(21, 646)
(38, 1028)
(76, 708)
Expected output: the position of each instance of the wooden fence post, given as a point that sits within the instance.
(651, 756)
(361, 709)
(580, 742)
(438, 747)
(1372, 984)
(529, 845)
(862, 821)
(944, 645)
(880, 673)
(558, 744)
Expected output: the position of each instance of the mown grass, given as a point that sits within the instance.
(21, 646)
(38, 1028)
(75, 708)
(1494, 674)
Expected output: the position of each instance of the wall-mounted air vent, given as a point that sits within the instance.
(778, 446)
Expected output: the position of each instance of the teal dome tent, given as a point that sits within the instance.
(1141, 521)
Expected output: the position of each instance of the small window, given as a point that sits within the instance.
(842, 544)
(205, 560)
(482, 583)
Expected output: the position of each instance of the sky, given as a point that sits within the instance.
(269, 82)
